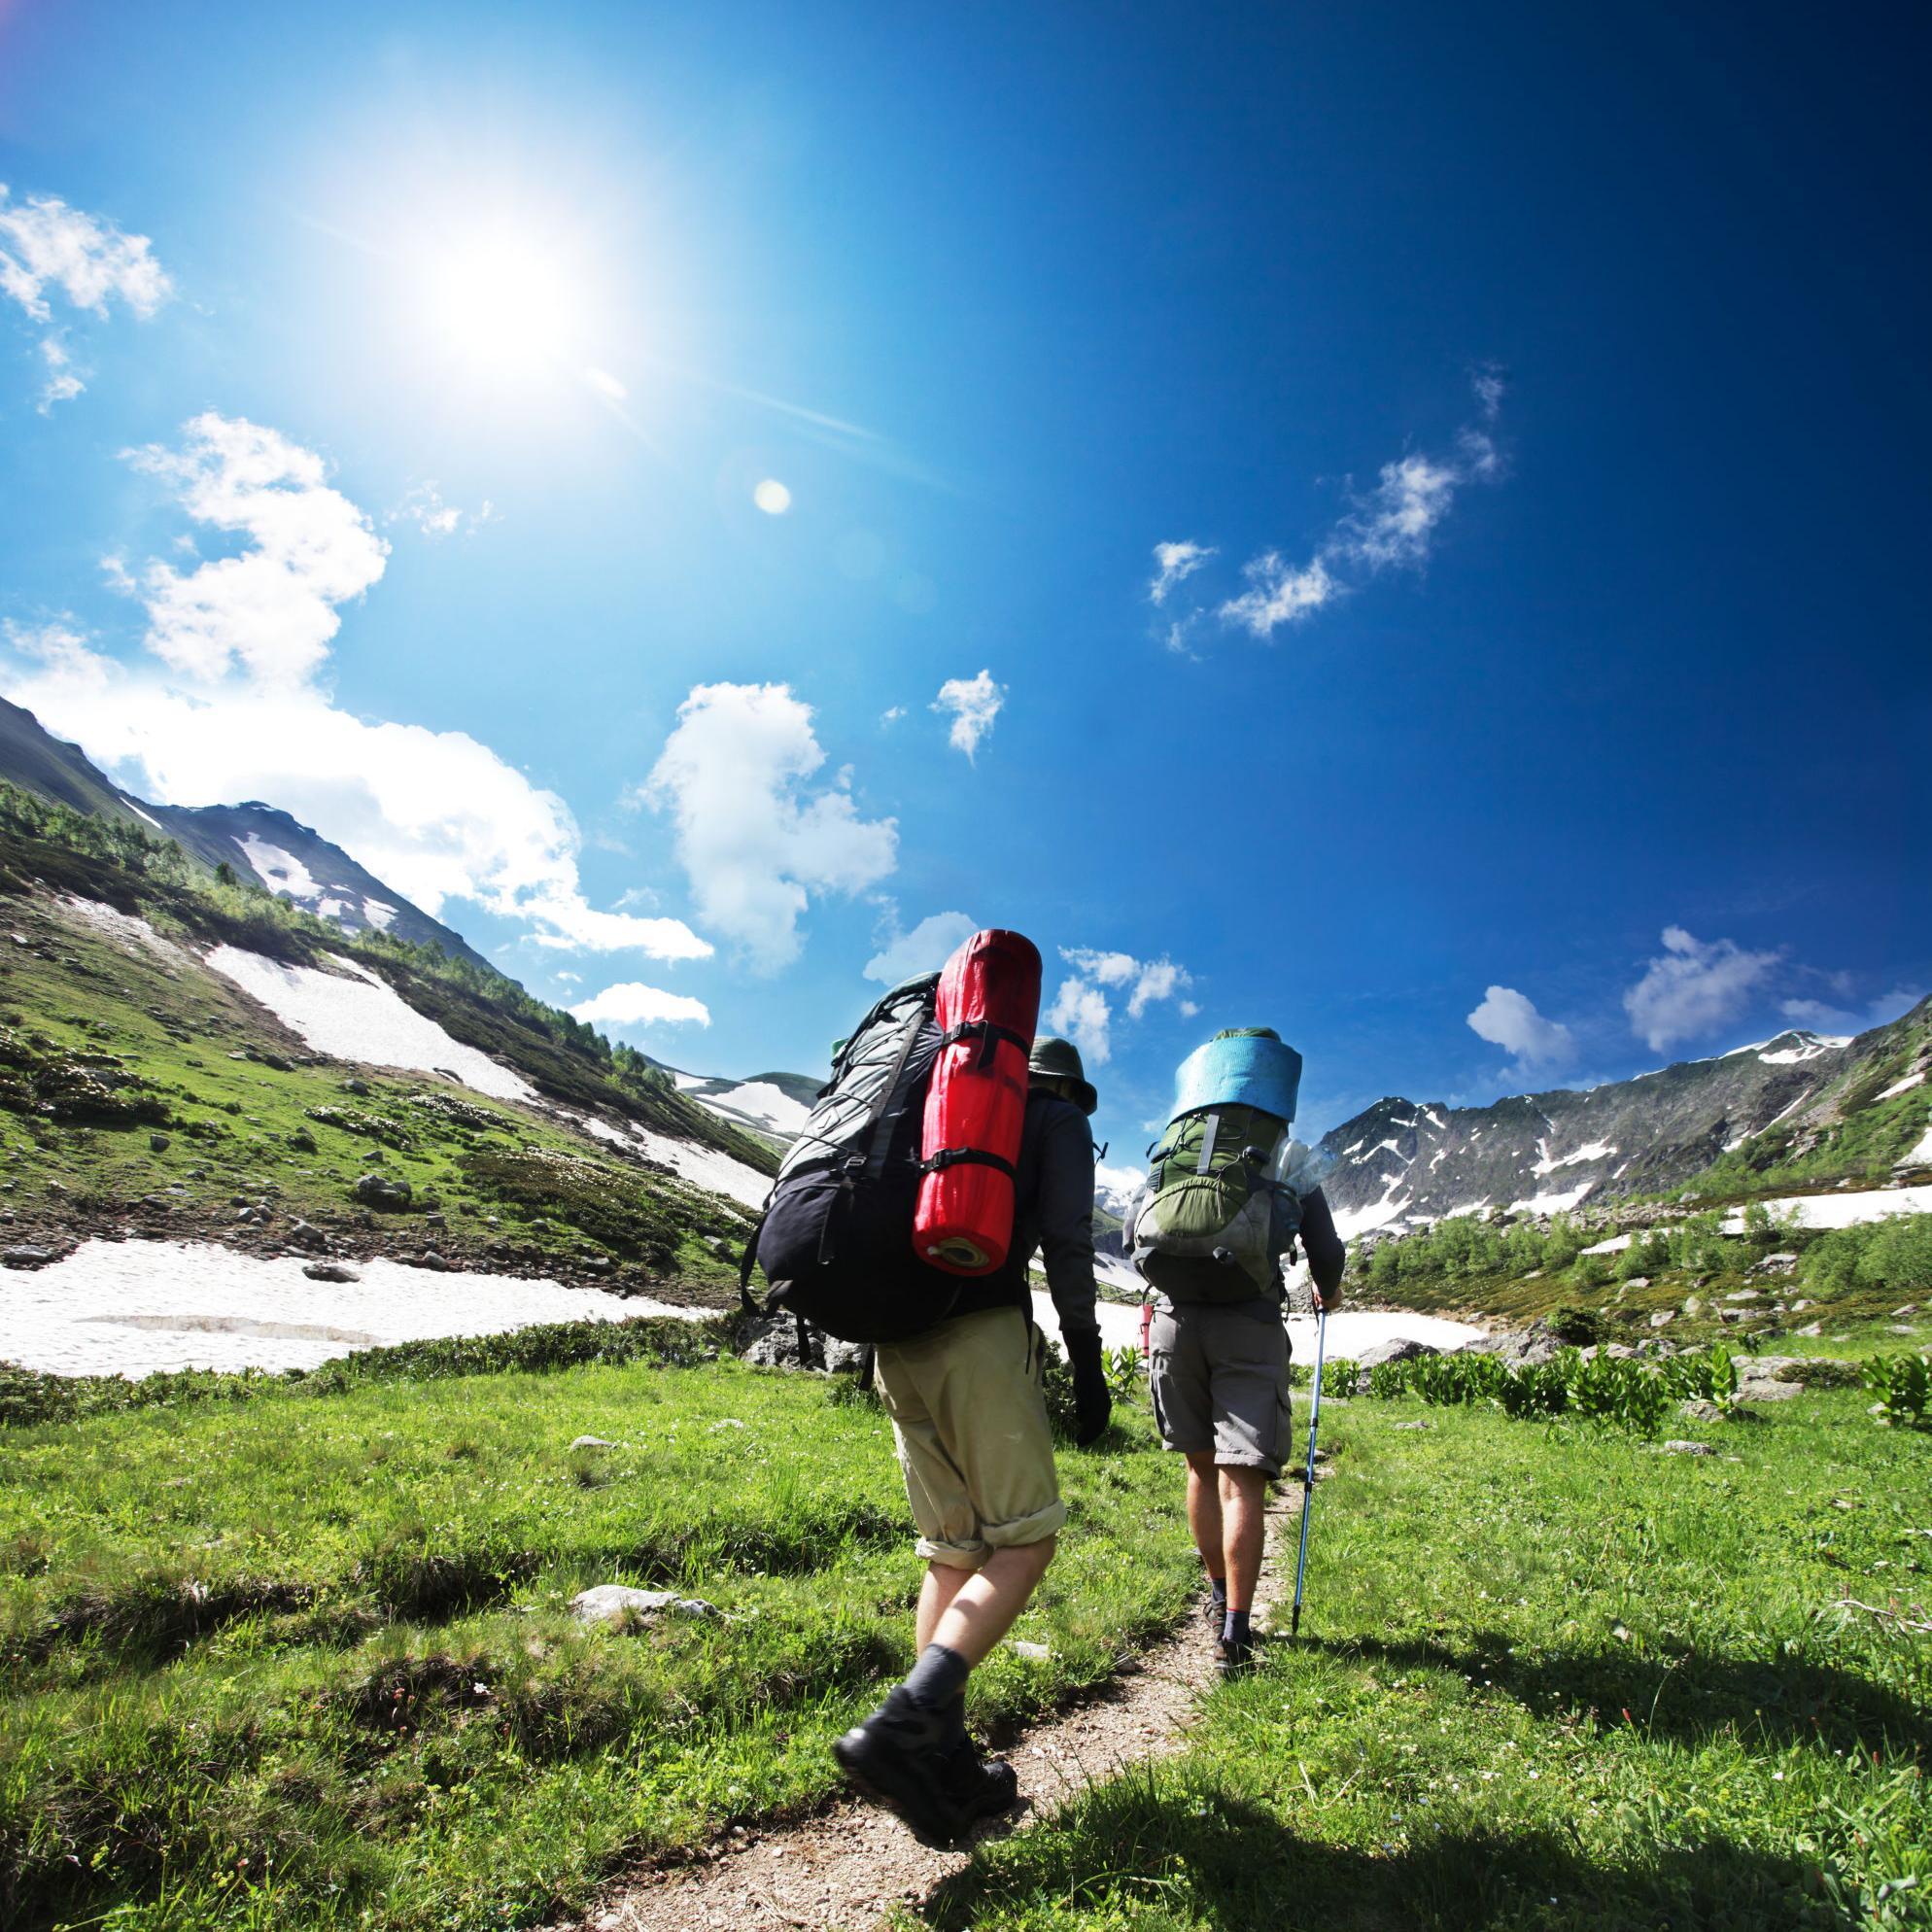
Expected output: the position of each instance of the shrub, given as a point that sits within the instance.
(1902, 1384)
(1571, 1322)
(1340, 1377)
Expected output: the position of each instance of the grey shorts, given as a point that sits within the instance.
(1219, 1380)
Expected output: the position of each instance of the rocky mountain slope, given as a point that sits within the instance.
(257, 841)
(1799, 1107)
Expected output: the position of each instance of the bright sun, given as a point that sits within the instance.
(503, 304)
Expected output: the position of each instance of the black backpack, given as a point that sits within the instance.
(836, 1241)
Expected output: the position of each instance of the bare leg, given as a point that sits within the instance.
(984, 1602)
(943, 1583)
(1243, 1495)
(1204, 1510)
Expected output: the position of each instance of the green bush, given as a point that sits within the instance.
(1902, 1384)
(1340, 1377)
(1571, 1322)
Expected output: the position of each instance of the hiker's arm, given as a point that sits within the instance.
(1327, 1257)
(1067, 1227)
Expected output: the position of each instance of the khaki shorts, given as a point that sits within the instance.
(969, 1408)
(1219, 1374)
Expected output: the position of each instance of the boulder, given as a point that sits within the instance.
(27, 1258)
(1682, 1448)
(773, 1341)
(592, 1442)
(159, 1143)
(305, 1235)
(620, 1608)
(1663, 1317)
(1402, 1349)
(330, 1271)
(378, 1190)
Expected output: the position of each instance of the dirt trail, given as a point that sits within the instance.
(849, 1866)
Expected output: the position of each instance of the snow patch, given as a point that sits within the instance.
(379, 913)
(1595, 1150)
(1919, 1156)
(126, 929)
(1899, 1087)
(1615, 1245)
(279, 871)
(363, 1018)
(1847, 1210)
(136, 1307)
(759, 1100)
(1560, 1203)
(706, 1167)
(1351, 1330)
(1817, 1044)
(137, 810)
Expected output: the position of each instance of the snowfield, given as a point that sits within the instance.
(1350, 1331)
(758, 1100)
(135, 1307)
(354, 1016)
(706, 1167)
(1847, 1210)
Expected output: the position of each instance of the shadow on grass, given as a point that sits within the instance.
(1687, 1698)
(1186, 1851)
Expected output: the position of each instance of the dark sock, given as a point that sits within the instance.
(1235, 1629)
(938, 1678)
(1217, 1586)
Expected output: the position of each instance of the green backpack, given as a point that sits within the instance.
(1216, 1218)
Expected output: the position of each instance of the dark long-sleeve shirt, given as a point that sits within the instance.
(1322, 1245)
(1053, 1217)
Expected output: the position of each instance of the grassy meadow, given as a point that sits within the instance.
(306, 1659)
(1548, 1677)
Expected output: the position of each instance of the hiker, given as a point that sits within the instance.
(969, 1412)
(1228, 1193)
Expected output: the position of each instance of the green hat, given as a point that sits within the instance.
(1059, 1059)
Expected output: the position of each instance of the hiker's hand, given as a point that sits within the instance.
(1093, 1402)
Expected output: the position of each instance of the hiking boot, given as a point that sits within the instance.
(1236, 1656)
(1213, 1612)
(978, 1790)
(902, 1756)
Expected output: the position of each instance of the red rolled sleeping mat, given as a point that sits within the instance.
(989, 1008)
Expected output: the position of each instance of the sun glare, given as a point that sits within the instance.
(503, 305)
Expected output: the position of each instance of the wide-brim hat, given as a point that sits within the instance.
(1059, 1059)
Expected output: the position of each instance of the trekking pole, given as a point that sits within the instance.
(1308, 1474)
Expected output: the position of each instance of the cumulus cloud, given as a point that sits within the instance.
(224, 710)
(49, 250)
(975, 703)
(271, 607)
(423, 506)
(1510, 1020)
(1394, 525)
(1693, 988)
(1083, 1006)
(634, 1003)
(1177, 562)
(927, 947)
(755, 838)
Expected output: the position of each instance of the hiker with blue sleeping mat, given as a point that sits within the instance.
(1229, 1192)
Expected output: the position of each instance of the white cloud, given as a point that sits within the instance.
(754, 841)
(271, 607)
(423, 506)
(1083, 1006)
(1510, 1020)
(891, 715)
(1879, 1011)
(1178, 562)
(1393, 526)
(927, 947)
(1692, 987)
(975, 703)
(47, 248)
(436, 815)
(1490, 388)
(1279, 594)
(633, 1004)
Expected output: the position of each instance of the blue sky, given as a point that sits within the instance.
(1550, 402)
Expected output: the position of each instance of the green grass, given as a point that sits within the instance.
(244, 1116)
(307, 1662)
(1547, 1679)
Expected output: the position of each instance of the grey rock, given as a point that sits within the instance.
(305, 1235)
(621, 1607)
(773, 1342)
(1743, 1294)
(1682, 1448)
(24, 1257)
(1775, 1264)
(592, 1442)
(378, 1190)
(1663, 1317)
(1402, 1349)
(159, 1143)
(330, 1271)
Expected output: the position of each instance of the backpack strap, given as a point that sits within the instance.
(968, 1157)
(747, 1261)
(988, 1033)
(1206, 1160)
